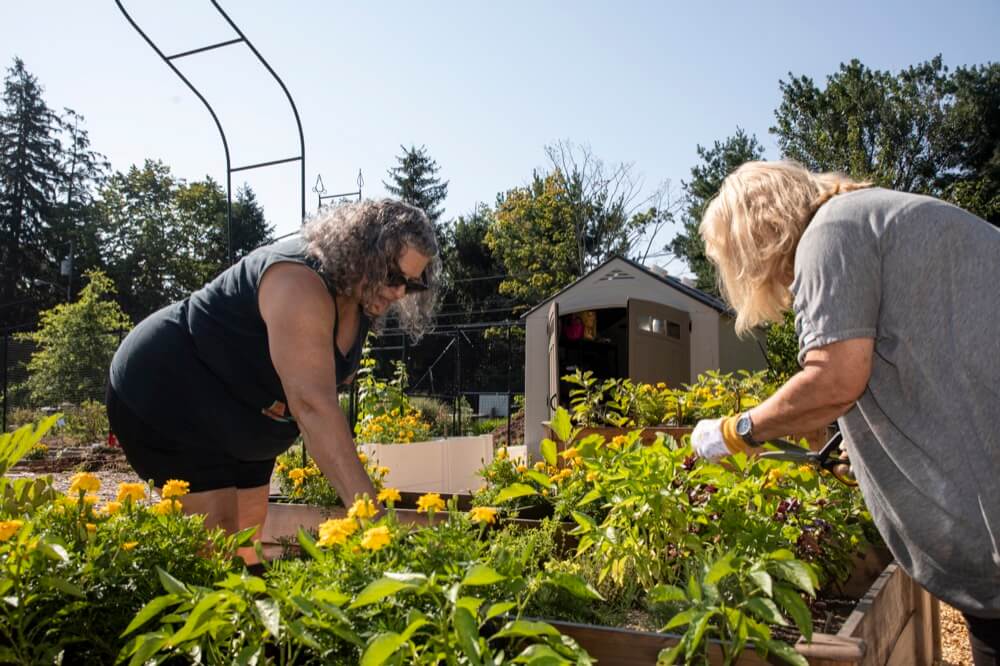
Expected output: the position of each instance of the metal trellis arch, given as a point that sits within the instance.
(230, 169)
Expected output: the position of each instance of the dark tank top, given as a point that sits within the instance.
(200, 370)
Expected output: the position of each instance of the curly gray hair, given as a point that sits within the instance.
(361, 243)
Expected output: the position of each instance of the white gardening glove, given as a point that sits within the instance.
(707, 440)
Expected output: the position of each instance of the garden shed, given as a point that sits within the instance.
(626, 320)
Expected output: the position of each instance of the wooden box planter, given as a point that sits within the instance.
(896, 623)
(441, 465)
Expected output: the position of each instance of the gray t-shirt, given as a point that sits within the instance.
(922, 278)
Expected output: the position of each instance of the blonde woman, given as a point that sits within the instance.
(211, 389)
(897, 309)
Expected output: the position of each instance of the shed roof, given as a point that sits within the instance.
(692, 292)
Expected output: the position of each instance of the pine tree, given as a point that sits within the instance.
(29, 176)
(415, 182)
(250, 226)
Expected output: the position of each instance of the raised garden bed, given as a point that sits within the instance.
(895, 621)
(446, 465)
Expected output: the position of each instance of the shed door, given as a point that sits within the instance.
(553, 332)
(659, 343)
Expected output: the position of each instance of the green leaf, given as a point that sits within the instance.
(54, 551)
(270, 615)
(146, 646)
(765, 609)
(171, 584)
(680, 619)
(697, 634)
(575, 585)
(195, 624)
(593, 495)
(331, 597)
(792, 603)
(694, 589)
(526, 628)
(467, 632)
(584, 521)
(721, 568)
(480, 574)
(541, 655)
(149, 611)
(763, 580)
(499, 609)
(381, 648)
(549, 450)
(663, 594)
(416, 623)
(514, 491)
(470, 604)
(669, 657)
(561, 426)
(784, 652)
(63, 586)
(796, 572)
(378, 590)
(538, 477)
(309, 545)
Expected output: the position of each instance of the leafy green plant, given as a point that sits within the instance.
(733, 600)
(86, 423)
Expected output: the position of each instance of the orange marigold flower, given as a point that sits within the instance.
(9, 528)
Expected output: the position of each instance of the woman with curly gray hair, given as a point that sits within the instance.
(211, 389)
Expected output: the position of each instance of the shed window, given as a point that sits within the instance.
(674, 330)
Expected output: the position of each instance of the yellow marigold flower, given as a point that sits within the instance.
(111, 508)
(395, 412)
(805, 469)
(91, 528)
(619, 441)
(409, 433)
(501, 453)
(382, 470)
(363, 458)
(483, 514)
(362, 509)
(84, 481)
(540, 466)
(88, 500)
(297, 475)
(131, 491)
(175, 488)
(545, 492)
(9, 528)
(129, 545)
(166, 507)
(376, 538)
(661, 385)
(592, 476)
(429, 502)
(389, 495)
(521, 469)
(279, 467)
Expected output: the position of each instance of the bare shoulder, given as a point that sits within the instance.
(289, 290)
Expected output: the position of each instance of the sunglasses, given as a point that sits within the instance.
(413, 286)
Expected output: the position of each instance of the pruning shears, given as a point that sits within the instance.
(839, 466)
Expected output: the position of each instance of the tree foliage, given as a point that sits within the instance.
(706, 178)
(470, 268)
(29, 178)
(532, 234)
(415, 181)
(75, 343)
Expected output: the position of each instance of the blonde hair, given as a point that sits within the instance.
(752, 228)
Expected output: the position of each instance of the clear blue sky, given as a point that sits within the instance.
(483, 85)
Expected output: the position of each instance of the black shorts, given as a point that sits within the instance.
(159, 457)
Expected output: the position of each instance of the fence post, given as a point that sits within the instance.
(509, 351)
(6, 339)
(458, 386)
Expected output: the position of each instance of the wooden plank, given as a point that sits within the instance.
(881, 615)
(904, 652)
(928, 626)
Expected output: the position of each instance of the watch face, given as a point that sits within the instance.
(744, 425)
